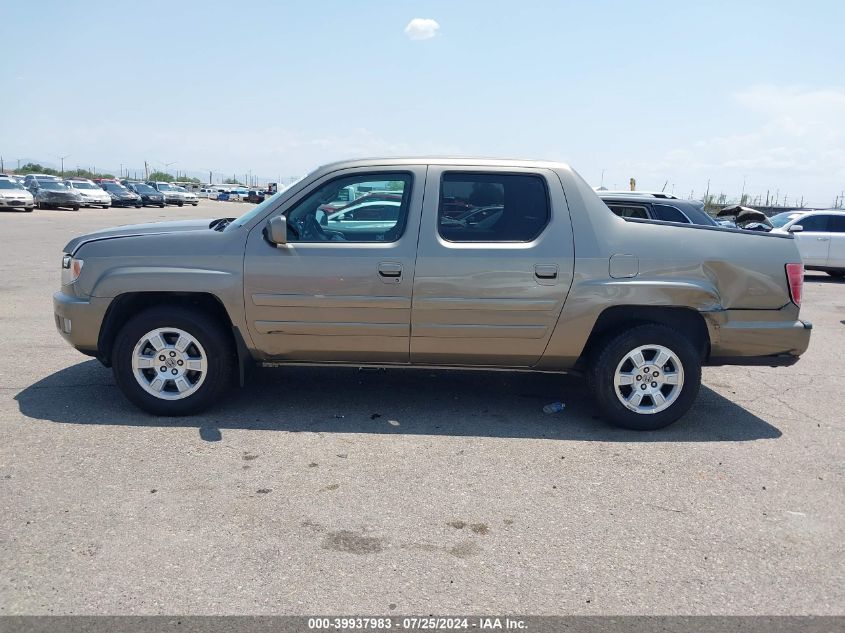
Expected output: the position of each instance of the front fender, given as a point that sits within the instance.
(125, 279)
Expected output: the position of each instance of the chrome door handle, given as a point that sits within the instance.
(545, 271)
(390, 269)
(822, 239)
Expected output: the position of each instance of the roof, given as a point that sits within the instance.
(445, 160)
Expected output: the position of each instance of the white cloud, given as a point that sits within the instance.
(794, 141)
(421, 29)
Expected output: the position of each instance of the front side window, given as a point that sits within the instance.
(836, 223)
(346, 210)
(492, 207)
(629, 211)
(813, 223)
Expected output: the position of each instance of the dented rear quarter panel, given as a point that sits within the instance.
(707, 269)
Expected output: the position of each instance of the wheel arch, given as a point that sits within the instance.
(615, 319)
(127, 304)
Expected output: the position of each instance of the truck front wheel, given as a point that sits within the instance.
(173, 361)
(645, 378)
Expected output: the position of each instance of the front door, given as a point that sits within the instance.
(814, 240)
(340, 289)
(494, 266)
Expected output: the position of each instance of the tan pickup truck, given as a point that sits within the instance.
(480, 264)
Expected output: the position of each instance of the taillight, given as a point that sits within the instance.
(795, 277)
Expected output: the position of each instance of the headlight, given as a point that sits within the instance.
(71, 269)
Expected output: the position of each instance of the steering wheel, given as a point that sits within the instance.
(312, 230)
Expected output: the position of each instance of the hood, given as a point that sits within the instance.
(135, 230)
(59, 193)
(15, 193)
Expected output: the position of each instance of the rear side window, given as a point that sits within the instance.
(668, 213)
(492, 207)
(629, 211)
(814, 223)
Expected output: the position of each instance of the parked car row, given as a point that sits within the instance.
(52, 192)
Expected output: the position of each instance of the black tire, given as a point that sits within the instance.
(106, 206)
(75, 207)
(161, 206)
(195, 203)
(28, 209)
(138, 206)
(211, 335)
(179, 204)
(606, 359)
(837, 274)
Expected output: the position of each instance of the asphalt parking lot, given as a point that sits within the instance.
(392, 492)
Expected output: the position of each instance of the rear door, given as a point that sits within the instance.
(814, 240)
(339, 290)
(494, 266)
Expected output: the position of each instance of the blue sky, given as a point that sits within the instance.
(677, 92)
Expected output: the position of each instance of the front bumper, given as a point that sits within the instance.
(16, 203)
(757, 337)
(61, 202)
(125, 203)
(96, 203)
(79, 320)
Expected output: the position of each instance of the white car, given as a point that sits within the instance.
(188, 197)
(820, 238)
(14, 196)
(92, 194)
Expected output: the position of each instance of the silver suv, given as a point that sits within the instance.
(482, 264)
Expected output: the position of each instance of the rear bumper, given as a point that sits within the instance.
(757, 337)
(79, 320)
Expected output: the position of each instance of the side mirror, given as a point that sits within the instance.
(277, 230)
(796, 228)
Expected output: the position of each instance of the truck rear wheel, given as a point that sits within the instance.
(173, 361)
(645, 378)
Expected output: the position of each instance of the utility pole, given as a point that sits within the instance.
(601, 184)
(707, 192)
(62, 158)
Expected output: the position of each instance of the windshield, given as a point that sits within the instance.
(163, 186)
(182, 189)
(113, 186)
(8, 184)
(83, 185)
(781, 219)
(52, 185)
(143, 188)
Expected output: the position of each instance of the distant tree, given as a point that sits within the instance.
(184, 178)
(395, 185)
(86, 173)
(35, 168)
(161, 176)
(231, 181)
